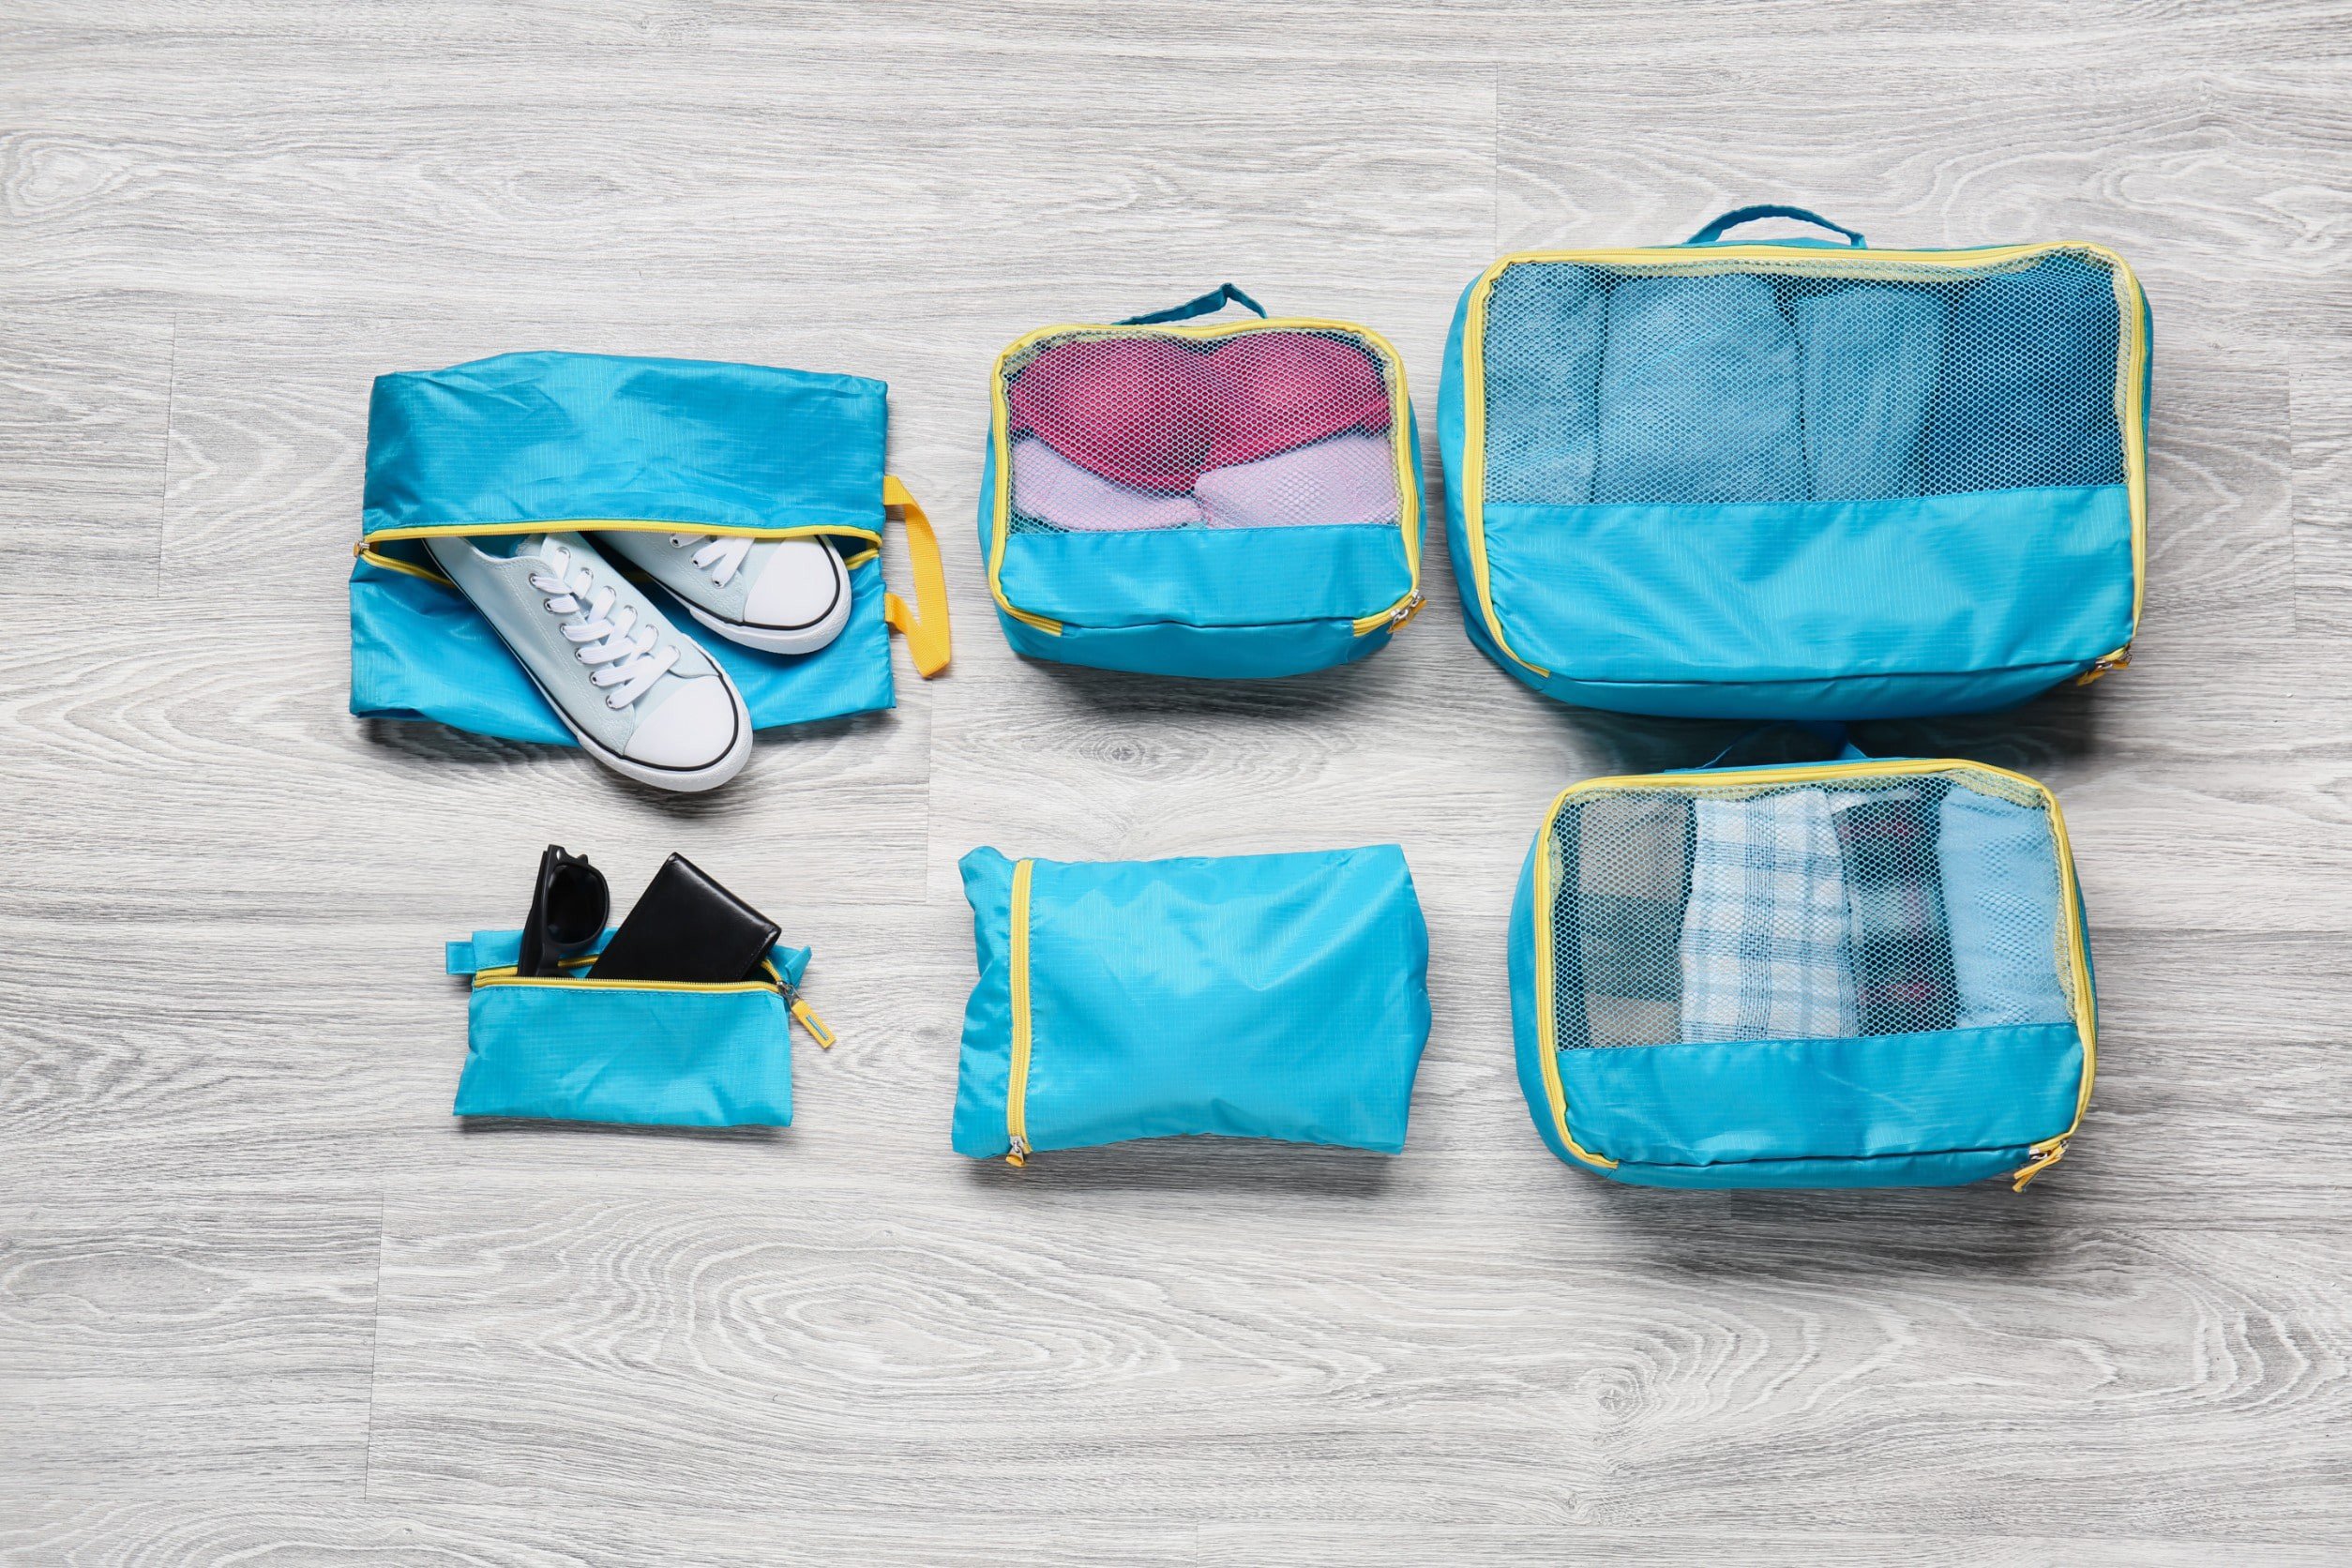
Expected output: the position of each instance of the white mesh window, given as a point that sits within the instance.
(1113, 430)
(1880, 904)
(1783, 381)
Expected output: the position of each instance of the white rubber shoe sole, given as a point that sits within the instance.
(685, 781)
(804, 636)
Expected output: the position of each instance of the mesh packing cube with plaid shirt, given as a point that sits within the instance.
(1856, 973)
(1281, 996)
(1236, 499)
(1798, 479)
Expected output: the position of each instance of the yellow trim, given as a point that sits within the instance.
(1017, 1079)
(929, 641)
(1408, 517)
(854, 562)
(2131, 374)
(2077, 939)
(505, 975)
(615, 526)
(391, 563)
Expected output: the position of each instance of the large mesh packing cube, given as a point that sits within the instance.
(1856, 974)
(1239, 498)
(1796, 479)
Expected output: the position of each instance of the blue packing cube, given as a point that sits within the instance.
(590, 443)
(1800, 479)
(1845, 974)
(661, 1053)
(1281, 996)
(1237, 499)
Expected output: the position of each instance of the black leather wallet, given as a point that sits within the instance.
(685, 927)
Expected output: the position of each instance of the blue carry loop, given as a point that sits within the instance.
(593, 443)
(1235, 499)
(661, 1053)
(1839, 975)
(1281, 996)
(1799, 479)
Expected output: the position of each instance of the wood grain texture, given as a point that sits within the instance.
(262, 1301)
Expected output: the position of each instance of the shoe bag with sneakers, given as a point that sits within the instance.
(647, 558)
(1234, 499)
(1840, 974)
(1798, 479)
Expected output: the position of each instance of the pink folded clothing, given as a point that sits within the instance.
(1050, 487)
(1349, 478)
(1276, 390)
(1136, 410)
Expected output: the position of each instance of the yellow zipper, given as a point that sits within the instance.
(1395, 618)
(806, 1016)
(2047, 1152)
(2131, 373)
(1017, 1081)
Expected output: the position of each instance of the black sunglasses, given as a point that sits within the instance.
(568, 909)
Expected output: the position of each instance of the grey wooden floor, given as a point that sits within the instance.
(261, 1299)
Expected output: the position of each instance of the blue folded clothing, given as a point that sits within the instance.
(1871, 354)
(1543, 411)
(2026, 397)
(1701, 394)
(2000, 898)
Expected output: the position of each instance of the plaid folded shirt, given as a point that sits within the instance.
(1897, 931)
(1764, 935)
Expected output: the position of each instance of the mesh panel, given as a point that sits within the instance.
(1873, 905)
(1115, 430)
(1761, 381)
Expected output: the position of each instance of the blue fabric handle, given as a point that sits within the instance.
(1214, 300)
(1738, 216)
(1826, 732)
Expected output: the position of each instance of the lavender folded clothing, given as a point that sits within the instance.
(1051, 488)
(1347, 478)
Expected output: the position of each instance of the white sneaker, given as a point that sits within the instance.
(779, 595)
(643, 698)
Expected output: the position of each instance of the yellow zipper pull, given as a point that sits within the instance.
(2050, 1156)
(1404, 613)
(1018, 1155)
(2119, 659)
(815, 1025)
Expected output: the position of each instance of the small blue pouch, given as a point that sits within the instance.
(1279, 996)
(1845, 974)
(588, 444)
(1798, 479)
(657, 1053)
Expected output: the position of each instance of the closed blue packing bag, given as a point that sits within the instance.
(1281, 996)
(595, 442)
(661, 1053)
(1233, 500)
(1844, 974)
(1800, 479)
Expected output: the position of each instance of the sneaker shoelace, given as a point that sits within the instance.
(628, 658)
(721, 555)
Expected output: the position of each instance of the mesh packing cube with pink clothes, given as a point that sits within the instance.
(1230, 498)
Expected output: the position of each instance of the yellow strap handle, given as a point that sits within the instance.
(929, 639)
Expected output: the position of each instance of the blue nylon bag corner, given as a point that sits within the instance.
(654, 1054)
(1253, 996)
(590, 443)
(1796, 479)
(1858, 973)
